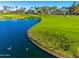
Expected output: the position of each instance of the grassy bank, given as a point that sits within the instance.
(57, 33)
(13, 15)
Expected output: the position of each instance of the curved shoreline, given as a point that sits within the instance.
(31, 39)
(37, 44)
(43, 48)
(46, 50)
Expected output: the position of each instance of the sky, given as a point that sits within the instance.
(29, 4)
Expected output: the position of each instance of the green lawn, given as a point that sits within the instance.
(57, 33)
(13, 15)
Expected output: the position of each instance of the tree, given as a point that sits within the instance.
(75, 8)
(74, 3)
(78, 3)
(42, 9)
(21, 10)
(45, 9)
(36, 8)
(7, 9)
(53, 9)
(16, 7)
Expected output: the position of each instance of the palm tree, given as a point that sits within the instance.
(75, 8)
(7, 9)
(36, 8)
(78, 3)
(21, 10)
(43, 9)
(16, 7)
(53, 9)
(74, 3)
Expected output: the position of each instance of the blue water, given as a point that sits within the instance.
(15, 43)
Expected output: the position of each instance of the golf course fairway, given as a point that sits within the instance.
(57, 34)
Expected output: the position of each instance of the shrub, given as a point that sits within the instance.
(61, 38)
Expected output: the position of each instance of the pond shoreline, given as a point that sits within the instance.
(43, 48)
(11, 18)
(12, 33)
(37, 44)
(46, 50)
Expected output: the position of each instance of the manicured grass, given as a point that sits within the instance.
(13, 15)
(58, 34)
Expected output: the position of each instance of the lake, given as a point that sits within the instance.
(15, 43)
